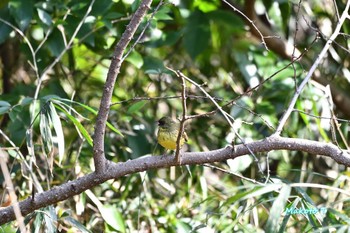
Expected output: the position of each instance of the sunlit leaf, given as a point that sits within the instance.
(277, 209)
(45, 130)
(50, 219)
(27, 100)
(136, 59)
(109, 125)
(4, 104)
(113, 217)
(44, 17)
(56, 122)
(4, 110)
(206, 6)
(77, 123)
(136, 107)
(73, 222)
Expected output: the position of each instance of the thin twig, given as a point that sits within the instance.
(35, 67)
(295, 46)
(336, 10)
(321, 186)
(136, 99)
(232, 173)
(143, 31)
(320, 117)
(100, 27)
(226, 115)
(333, 121)
(11, 190)
(58, 58)
(183, 119)
(291, 105)
(261, 83)
(250, 21)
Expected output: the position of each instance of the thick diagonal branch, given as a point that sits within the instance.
(117, 170)
(114, 69)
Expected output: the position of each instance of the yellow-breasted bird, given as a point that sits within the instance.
(168, 132)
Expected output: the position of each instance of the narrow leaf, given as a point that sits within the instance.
(56, 122)
(93, 111)
(113, 217)
(136, 107)
(277, 209)
(77, 123)
(45, 131)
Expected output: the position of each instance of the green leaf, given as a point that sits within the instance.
(50, 219)
(109, 125)
(277, 209)
(136, 59)
(197, 34)
(76, 6)
(153, 65)
(4, 107)
(8, 228)
(77, 224)
(113, 217)
(101, 7)
(299, 106)
(26, 101)
(44, 17)
(136, 107)
(112, 15)
(285, 13)
(206, 6)
(56, 122)
(38, 220)
(4, 110)
(22, 11)
(77, 123)
(342, 216)
(4, 104)
(55, 43)
(283, 225)
(257, 191)
(45, 130)
(163, 14)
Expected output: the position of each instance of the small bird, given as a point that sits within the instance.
(168, 132)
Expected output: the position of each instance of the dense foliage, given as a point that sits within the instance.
(55, 57)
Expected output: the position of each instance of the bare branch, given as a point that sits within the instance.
(184, 114)
(183, 119)
(117, 170)
(143, 30)
(227, 116)
(114, 69)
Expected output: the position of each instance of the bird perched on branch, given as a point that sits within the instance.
(168, 132)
